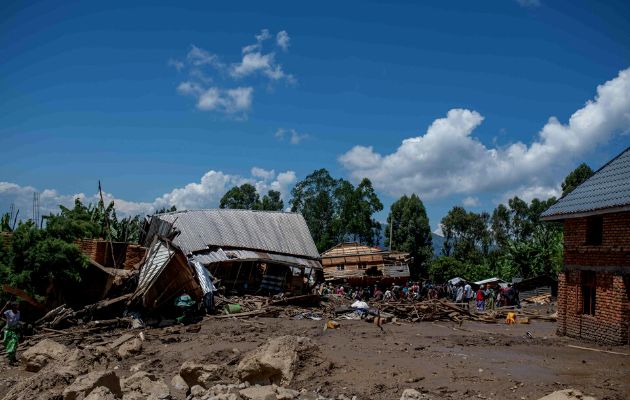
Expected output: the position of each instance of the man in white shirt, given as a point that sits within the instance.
(468, 294)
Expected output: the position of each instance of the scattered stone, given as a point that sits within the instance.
(178, 383)
(129, 348)
(147, 385)
(412, 394)
(257, 392)
(84, 384)
(286, 394)
(200, 374)
(197, 391)
(101, 393)
(38, 356)
(273, 362)
(567, 394)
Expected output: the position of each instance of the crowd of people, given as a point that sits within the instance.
(486, 297)
(410, 291)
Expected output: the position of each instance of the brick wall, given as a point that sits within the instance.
(127, 255)
(612, 290)
(615, 247)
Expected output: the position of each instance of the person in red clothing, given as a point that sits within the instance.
(481, 299)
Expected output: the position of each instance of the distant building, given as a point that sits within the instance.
(594, 286)
(354, 260)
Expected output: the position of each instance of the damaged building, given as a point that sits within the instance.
(594, 285)
(240, 251)
(355, 261)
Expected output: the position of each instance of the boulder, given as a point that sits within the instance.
(178, 383)
(84, 385)
(146, 385)
(413, 394)
(129, 348)
(567, 394)
(101, 393)
(274, 362)
(286, 394)
(36, 357)
(201, 374)
(267, 392)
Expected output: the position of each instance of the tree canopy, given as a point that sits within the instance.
(246, 197)
(575, 178)
(411, 231)
(336, 211)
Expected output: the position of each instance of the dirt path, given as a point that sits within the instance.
(472, 361)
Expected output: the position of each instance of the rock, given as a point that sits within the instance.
(267, 392)
(147, 385)
(197, 391)
(42, 353)
(129, 348)
(101, 393)
(567, 394)
(84, 384)
(286, 394)
(412, 394)
(200, 374)
(179, 383)
(273, 362)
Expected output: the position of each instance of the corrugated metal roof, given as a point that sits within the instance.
(159, 255)
(609, 187)
(277, 232)
(220, 255)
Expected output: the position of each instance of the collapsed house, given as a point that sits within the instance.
(241, 251)
(354, 261)
(594, 285)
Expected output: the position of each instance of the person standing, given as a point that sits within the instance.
(459, 294)
(481, 299)
(12, 331)
(468, 295)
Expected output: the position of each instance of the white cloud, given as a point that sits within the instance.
(283, 40)
(471, 201)
(178, 65)
(448, 160)
(263, 173)
(211, 81)
(231, 101)
(203, 194)
(199, 57)
(529, 3)
(263, 35)
(293, 136)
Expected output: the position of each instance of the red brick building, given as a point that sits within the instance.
(594, 286)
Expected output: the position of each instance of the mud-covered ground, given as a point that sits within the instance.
(474, 360)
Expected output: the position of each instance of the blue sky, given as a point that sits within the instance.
(449, 99)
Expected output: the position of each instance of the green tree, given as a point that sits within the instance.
(41, 264)
(244, 197)
(575, 178)
(271, 202)
(466, 235)
(444, 268)
(411, 231)
(166, 210)
(356, 207)
(314, 198)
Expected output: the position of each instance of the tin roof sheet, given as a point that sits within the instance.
(609, 187)
(268, 231)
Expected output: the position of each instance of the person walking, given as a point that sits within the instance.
(12, 331)
(481, 299)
